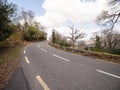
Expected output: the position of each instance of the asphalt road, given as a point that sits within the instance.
(46, 68)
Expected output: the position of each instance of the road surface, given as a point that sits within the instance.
(43, 67)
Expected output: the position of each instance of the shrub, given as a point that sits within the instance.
(114, 51)
(64, 43)
(33, 34)
(14, 39)
(97, 49)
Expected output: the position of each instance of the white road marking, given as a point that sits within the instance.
(43, 50)
(27, 60)
(60, 57)
(107, 62)
(24, 51)
(43, 84)
(108, 74)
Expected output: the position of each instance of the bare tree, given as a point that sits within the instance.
(108, 20)
(27, 17)
(37, 24)
(110, 17)
(114, 2)
(81, 44)
(106, 40)
(75, 35)
(110, 40)
(30, 17)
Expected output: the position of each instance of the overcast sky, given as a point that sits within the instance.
(59, 14)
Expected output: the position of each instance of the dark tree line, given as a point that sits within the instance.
(12, 31)
(7, 11)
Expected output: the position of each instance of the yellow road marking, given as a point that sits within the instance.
(43, 84)
(24, 51)
(27, 60)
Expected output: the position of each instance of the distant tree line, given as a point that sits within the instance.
(68, 41)
(57, 38)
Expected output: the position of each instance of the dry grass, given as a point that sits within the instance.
(9, 59)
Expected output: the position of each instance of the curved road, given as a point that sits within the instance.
(46, 68)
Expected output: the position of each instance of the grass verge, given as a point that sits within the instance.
(9, 59)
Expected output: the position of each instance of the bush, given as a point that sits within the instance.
(14, 39)
(3, 44)
(64, 43)
(86, 48)
(114, 51)
(111, 51)
(33, 34)
(97, 49)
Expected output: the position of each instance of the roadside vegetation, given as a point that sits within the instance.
(108, 40)
(16, 28)
(57, 38)
(9, 60)
(91, 54)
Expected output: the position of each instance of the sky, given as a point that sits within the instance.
(60, 14)
(35, 6)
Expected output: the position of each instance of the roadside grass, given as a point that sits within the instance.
(10, 54)
(9, 59)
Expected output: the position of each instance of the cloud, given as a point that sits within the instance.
(51, 19)
(58, 12)
(63, 30)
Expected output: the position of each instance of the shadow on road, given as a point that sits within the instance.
(17, 81)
